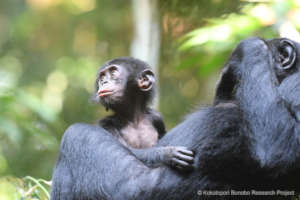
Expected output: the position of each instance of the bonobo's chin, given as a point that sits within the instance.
(111, 103)
(106, 102)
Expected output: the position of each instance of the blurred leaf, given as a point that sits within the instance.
(38, 185)
(36, 105)
(28, 188)
(221, 31)
(10, 130)
(8, 189)
(190, 62)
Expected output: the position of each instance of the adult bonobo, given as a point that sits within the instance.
(248, 140)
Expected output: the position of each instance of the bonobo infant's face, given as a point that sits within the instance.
(124, 83)
(111, 84)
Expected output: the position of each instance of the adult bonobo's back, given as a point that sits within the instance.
(248, 140)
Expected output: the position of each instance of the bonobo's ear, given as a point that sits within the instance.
(146, 80)
(225, 86)
(287, 54)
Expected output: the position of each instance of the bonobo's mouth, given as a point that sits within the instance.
(104, 93)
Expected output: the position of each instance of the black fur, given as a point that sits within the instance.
(248, 140)
(134, 67)
(114, 123)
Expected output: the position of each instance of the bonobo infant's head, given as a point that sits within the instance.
(123, 83)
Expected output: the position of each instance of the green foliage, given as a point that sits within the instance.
(222, 33)
(27, 188)
(209, 46)
(198, 9)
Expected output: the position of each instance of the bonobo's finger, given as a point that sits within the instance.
(183, 157)
(181, 163)
(185, 151)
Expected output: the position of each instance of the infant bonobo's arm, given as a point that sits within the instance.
(174, 156)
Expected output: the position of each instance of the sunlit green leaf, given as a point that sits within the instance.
(221, 30)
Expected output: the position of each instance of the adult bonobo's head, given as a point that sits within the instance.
(261, 73)
(124, 83)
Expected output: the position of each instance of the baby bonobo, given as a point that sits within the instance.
(126, 86)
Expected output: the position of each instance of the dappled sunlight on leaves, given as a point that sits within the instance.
(27, 188)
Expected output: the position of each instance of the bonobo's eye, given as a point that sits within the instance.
(101, 76)
(114, 72)
(287, 54)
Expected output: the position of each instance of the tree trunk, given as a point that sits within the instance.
(146, 41)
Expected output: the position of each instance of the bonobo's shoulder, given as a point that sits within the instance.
(79, 130)
(153, 113)
(77, 127)
(154, 116)
(217, 113)
(157, 121)
(81, 135)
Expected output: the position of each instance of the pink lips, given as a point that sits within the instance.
(103, 93)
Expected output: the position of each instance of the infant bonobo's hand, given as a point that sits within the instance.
(179, 157)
